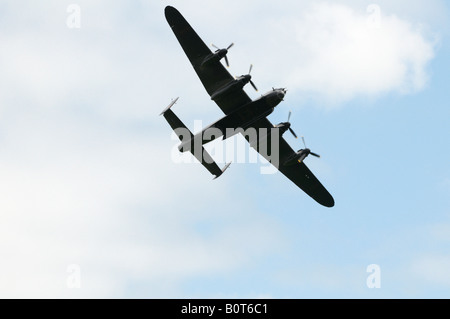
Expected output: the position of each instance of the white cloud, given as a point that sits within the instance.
(340, 53)
(110, 202)
(85, 163)
(331, 51)
(86, 178)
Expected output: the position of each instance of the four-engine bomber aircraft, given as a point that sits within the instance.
(240, 112)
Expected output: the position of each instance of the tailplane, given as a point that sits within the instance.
(184, 134)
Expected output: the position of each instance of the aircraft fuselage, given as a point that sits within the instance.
(242, 117)
(253, 111)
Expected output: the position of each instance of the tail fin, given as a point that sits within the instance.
(198, 151)
(223, 169)
(170, 105)
(175, 123)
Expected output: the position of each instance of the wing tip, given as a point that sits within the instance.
(170, 12)
(329, 202)
(167, 9)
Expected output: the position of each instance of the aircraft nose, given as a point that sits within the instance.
(280, 95)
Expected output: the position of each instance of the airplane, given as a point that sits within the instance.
(240, 112)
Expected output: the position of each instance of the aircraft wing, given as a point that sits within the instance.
(214, 75)
(298, 173)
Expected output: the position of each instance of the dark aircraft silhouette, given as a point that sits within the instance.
(241, 113)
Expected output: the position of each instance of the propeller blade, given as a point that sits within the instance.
(212, 44)
(226, 61)
(254, 86)
(303, 139)
(293, 133)
(289, 116)
(314, 154)
(229, 47)
(250, 70)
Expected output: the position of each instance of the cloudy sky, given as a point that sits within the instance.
(95, 203)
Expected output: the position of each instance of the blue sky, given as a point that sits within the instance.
(92, 196)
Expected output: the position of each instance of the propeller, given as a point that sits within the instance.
(313, 154)
(291, 130)
(226, 52)
(251, 82)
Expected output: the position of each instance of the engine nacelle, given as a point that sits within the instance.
(230, 87)
(234, 85)
(214, 57)
(283, 127)
(297, 157)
